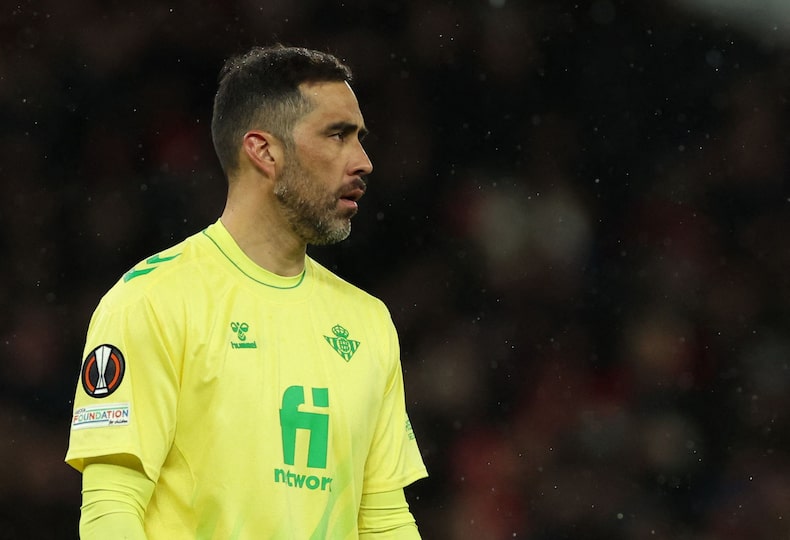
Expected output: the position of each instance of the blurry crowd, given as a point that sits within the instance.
(577, 218)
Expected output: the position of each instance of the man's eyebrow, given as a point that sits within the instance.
(348, 127)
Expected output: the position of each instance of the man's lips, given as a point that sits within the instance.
(353, 193)
(349, 203)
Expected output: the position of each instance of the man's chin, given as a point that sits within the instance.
(335, 236)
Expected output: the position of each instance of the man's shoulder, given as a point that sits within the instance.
(343, 287)
(167, 259)
(164, 272)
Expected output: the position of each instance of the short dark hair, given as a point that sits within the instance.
(260, 88)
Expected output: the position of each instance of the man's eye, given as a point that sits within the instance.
(339, 135)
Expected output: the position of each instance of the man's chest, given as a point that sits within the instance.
(283, 365)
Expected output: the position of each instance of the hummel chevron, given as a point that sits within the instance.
(152, 262)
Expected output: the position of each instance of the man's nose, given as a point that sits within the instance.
(362, 164)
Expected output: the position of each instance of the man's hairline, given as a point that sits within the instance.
(305, 104)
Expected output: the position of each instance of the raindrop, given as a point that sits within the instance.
(714, 58)
(602, 12)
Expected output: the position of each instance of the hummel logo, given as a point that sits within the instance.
(153, 263)
(241, 330)
(343, 346)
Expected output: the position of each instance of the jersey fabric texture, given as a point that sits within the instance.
(262, 406)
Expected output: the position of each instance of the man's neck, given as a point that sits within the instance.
(269, 244)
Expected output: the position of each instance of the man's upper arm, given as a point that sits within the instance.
(129, 351)
(394, 460)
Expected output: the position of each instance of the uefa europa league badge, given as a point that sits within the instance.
(102, 371)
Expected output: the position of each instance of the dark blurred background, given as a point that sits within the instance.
(578, 217)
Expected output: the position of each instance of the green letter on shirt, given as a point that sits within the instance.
(291, 419)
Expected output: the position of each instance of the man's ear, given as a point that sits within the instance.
(263, 151)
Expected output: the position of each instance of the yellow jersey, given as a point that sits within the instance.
(262, 406)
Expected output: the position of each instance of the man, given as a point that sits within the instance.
(232, 387)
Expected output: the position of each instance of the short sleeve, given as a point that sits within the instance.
(127, 393)
(394, 460)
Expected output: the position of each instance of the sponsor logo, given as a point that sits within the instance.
(302, 481)
(341, 344)
(102, 371)
(240, 329)
(112, 414)
(316, 424)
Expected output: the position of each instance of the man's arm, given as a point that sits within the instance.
(386, 516)
(115, 493)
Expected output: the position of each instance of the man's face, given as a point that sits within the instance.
(322, 178)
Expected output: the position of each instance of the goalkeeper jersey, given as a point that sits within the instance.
(262, 406)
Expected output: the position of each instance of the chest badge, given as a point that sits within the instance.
(341, 344)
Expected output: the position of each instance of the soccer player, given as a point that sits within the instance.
(232, 387)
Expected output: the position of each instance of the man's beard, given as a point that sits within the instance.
(311, 211)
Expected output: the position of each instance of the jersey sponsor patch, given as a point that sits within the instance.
(102, 371)
(111, 414)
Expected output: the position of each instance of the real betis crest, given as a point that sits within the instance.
(343, 346)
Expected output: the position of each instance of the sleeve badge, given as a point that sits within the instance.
(102, 371)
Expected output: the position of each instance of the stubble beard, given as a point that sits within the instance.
(311, 212)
